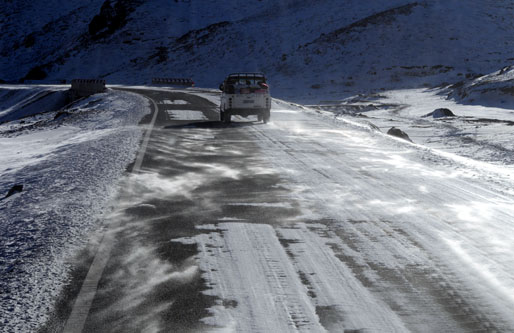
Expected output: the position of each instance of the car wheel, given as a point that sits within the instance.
(227, 117)
(266, 117)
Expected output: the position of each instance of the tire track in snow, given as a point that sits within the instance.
(259, 289)
(429, 282)
(362, 293)
(350, 305)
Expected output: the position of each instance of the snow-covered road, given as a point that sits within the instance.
(307, 223)
(392, 237)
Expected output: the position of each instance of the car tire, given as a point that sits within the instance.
(227, 117)
(266, 117)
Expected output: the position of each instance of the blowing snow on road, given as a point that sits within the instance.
(380, 236)
(307, 223)
(256, 166)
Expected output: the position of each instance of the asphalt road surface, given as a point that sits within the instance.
(296, 225)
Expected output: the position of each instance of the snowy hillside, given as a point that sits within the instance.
(493, 89)
(68, 163)
(309, 49)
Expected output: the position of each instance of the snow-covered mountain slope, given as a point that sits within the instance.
(309, 49)
(493, 89)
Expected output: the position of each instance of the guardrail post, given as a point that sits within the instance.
(87, 87)
(174, 81)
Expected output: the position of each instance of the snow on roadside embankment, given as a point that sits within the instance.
(20, 101)
(481, 131)
(495, 89)
(67, 163)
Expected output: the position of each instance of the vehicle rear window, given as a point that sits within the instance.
(245, 84)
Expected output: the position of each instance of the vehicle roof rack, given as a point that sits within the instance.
(249, 75)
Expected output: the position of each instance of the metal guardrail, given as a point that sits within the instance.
(174, 81)
(86, 87)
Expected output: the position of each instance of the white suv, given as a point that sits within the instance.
(245, 94)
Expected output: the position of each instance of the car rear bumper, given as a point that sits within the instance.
(246, 112)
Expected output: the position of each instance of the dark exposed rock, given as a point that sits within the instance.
(384, 17)
(440, 113)
(373, 126)
(97, 25)
(113, 16)
(161, 54)
(36, 73)
(393, 131)
(61, 114)
(505, 70)
(507, 90)
(15, 189)
(201, 36)
(29, 41)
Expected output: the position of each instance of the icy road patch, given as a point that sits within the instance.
(258, 288)
(263, 288)
(174, 102)
(186, 115)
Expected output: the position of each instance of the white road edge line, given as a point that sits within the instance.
(139, 159)
(82, 305)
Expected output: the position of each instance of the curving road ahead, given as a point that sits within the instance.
(302, 224)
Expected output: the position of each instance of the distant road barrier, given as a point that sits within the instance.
(174, 81)
(86, 87)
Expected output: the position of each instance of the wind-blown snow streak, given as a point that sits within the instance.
(381, 194)
(334, 284)
(249, 271)
(262, 289)
(392, 236)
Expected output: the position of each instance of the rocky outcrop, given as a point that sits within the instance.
(393, 131)
(440, 113)
(15, 189)
(113, 16)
